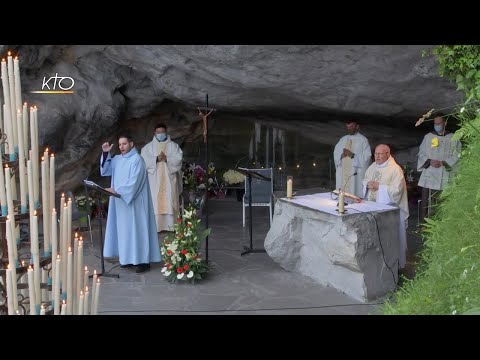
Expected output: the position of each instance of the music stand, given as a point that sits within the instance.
(251, 174)
(97, 191)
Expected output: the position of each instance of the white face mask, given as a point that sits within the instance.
(161, 137)
(438, 128)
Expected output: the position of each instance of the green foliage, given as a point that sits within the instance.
(448, 275)
(180, 250)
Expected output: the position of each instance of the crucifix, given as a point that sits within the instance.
(204, 113)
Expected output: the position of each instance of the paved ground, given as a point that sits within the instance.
(250, 284)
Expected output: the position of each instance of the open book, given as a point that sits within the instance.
(95, 186)
(348, 195)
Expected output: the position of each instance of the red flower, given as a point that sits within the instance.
(189, 225)
(169, 252)
(184, 251)
(169, 266)
(179, 220)
(180, 270)
(186, 267)
(180, 235)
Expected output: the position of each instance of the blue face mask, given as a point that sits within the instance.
(161, 137)
(438, 128)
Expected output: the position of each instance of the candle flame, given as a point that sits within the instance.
(53, 210)
(63, 302)
(52, 155)
(8, 267)
(6, 166)
(95, 272)
(76, 234)
(9, 53)
(86, 288)
(34, 212)
(63, 195)
(30, 268)
(18, 111)
(43, 158)
(23, 262)
(86, 267)
(98, 280)
(81, 293)
(58, 256)
(69, 249)
(16, 57)
(3, 60)
(25, 103)
(46, 150)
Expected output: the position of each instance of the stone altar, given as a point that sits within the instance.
(309, 236)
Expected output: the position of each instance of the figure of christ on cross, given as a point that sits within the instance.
(205, 122)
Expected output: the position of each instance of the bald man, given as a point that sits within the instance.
(384, 183)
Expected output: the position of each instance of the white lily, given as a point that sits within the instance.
(190, 274)
(164, 269)
(180, 276)
(168, 272)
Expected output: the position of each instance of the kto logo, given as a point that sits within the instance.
(56, 85)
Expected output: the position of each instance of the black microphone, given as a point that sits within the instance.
(346, 183)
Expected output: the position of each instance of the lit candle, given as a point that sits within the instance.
(46, 220)
(289, 188)
(51, 182)
(64, 308)
(54, 237)
(65, 246)
(86, 302)
(11, 84)
(12, 259)
(81, 303)
(31, 291)
(42, 309)
(21, 166)
(76, 290)
(18, 85)
(56, 281)
(97, 296)
(25, 128)
(7, 113)
(34, 155)
(70, 294)
(86, 274)
(341, 202)
(79, 270)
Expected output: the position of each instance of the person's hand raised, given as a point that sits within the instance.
(106, 147)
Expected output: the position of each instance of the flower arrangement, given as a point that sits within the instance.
(81, 202)
(180, 250)
(233, 177)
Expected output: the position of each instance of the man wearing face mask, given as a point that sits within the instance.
(437, 155)
(163, 158)
(352, 155)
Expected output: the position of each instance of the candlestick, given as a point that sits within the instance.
(21, 166)
(86, 302)
(70, 294)
(57, 279)
(13, 111)
(64, 308)
(35, 251)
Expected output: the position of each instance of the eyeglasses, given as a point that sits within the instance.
(381, 154)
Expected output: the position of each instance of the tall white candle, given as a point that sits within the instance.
(51, 182)
(7, 113)
(80, 303)
(94, 290)
(341, 202)
(11, 210)
(86, 302)
(12, 260)
(9, 280)
(54, 238)
(45, 209)
(35, 251)
(70, 294)
(97, 296)
(65, 246)
(42, 309)
(31, 200)
(56, 281)
(18, 89)
(21, 166)
(79, 270)
(76, 290)
(31, 291)
(25, 129)
(35, 158)
(86, 275)
(13, 110)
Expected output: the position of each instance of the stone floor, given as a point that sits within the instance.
(247, 285)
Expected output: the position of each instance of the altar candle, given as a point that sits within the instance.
(7, 113)
(3, 194)
(31, 201)
(341, 202)
(54, 237)
(31, 291)
(86, 274)
(289, 187)
(35, 251)
(94, 290)
(79, 270)
(42, 309)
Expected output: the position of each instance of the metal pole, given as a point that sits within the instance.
(206, 184)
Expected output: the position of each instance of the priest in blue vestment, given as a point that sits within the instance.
(131, 233)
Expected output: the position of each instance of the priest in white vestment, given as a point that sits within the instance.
(384, 183)
(352, 155)
(163, 158)
(437, 155)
